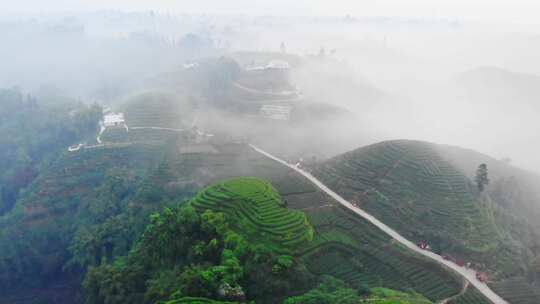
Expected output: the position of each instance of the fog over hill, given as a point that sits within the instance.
(225, 152)
(406, 78)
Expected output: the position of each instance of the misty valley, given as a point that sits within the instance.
(160, 158)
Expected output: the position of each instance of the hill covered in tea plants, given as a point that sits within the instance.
(426, 192)
(236, 241)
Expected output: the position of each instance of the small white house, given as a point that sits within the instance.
(114, 120)
(276, 112)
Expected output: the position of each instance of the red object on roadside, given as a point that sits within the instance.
(482, 277)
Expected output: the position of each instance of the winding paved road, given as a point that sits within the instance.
(467, 274)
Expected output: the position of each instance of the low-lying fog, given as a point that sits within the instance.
(466, 83)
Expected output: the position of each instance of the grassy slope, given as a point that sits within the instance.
(471, 296)
(422, 190)
(351, 249)
(344, 246)
(365, 255)
(515, 194)
(260, 212)
(388, 296)
(358, 253)
(409, 187)
(157, 109)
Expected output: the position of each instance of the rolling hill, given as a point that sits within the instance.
(411, 188)
(158, 109)
(99, 201)
(260, 211)
(425, 192)
(318, 241)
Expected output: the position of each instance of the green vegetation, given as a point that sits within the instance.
(387, 296)
(84, 216)
(158, 109)
(517, 290)
(420, 190)
(471, 296)
(410, 187)
(334, 291)
(193, 300)
(354, 251)
(194, 252)
(329, 291)
(84, 208)
(31, 132)
(481, 177)
(120, 135)
(213, 249)
(260, 212)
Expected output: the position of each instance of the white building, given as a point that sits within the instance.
(276, 112)
(114, 120)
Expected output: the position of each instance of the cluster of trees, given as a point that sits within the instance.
(188, 257)
(84, 209)
(481, 177)
(30, 132)
(186, 254)
(331, 291)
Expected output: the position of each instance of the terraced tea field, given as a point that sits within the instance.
(358, 253)
(407, 185)
(471, 296)
(157, 109)
(259, 210)
(119, 135)
(518, 291)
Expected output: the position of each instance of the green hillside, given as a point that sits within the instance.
(75, 213)
(35, 130)
(407, 185)
(354, 251)
(121, 135)
(90, 208)
(259, 210)
(425, 192)
(238, 233)
(230, 242)
(158, 109)
(471, 296)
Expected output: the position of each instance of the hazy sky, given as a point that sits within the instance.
(508, 10)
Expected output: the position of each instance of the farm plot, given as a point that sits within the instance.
(358, 253)
(408, 186)
(157, 109)
(260, 212)
(121, 134)
(471, 296)
(517, 290)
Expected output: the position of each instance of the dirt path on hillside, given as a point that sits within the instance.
(468, 274)
(462, 292)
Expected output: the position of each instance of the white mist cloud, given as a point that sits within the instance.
(509, 10)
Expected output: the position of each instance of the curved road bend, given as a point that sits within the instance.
(468, 274)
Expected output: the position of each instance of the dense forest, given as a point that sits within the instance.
(32, 132)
